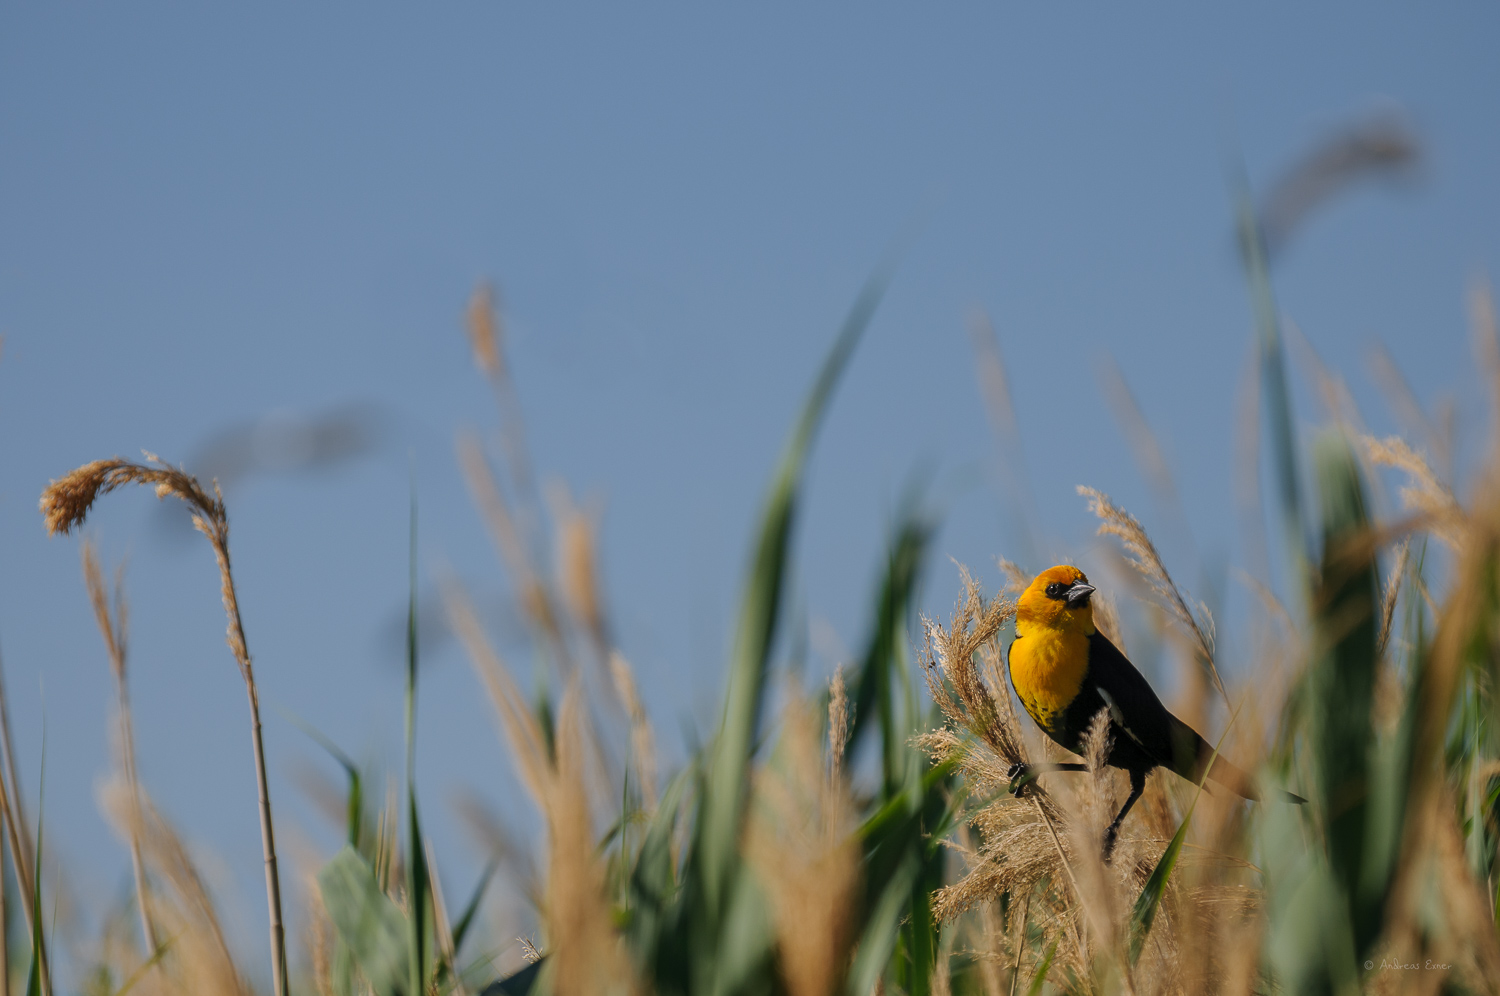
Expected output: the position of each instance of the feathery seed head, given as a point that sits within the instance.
(484, 331)
(67, 500)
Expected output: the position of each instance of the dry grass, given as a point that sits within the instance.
(801, 841)
(66, 503)
(195, 957)
(588, 951)
(1029, 890)
(113, 626)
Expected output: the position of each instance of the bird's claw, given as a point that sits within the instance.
(1020, 776)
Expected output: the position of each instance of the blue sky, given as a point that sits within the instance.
(212, 216)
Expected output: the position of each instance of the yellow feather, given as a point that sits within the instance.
(1047, 667)
(1050, 655)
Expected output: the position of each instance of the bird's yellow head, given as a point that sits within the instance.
(1059, 600)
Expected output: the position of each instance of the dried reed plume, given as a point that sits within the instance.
(194, 957)
(1423, 493)
(840, 718)
(1022, 843)
(642, 739)
(509, 531)
(114, 627)
(801, 842)
(1141, 552)
(484, 330)
(487, 337)
(66, 503)
(1392, 593)
(577, 563)
(589, 956)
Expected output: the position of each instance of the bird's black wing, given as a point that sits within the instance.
(1171, 743)
(1132, 702)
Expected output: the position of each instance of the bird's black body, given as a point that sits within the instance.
(1143, 733)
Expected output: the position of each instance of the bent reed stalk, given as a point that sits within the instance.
(66, 503)
(113, 626)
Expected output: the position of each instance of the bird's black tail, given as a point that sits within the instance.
(1192, 755)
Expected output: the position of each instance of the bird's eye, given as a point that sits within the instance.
(1056, 589)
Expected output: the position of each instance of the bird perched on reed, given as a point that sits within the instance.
(1065, 672)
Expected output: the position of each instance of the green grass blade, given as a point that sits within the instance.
(1042, 969)
(417, 885)
(355, 806)
(36, 973)
(1143, 914)
(760, 610)
(1347, 614)
(368, 922)
(1278, 399)
(874, 687)
(1147, 903)
(143, 968)
(465, 919)
(878, 940)
(519, 984)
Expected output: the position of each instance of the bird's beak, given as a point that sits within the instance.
(1079, 594)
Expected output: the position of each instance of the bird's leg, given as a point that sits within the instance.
(1137, 786)
(1022, 775)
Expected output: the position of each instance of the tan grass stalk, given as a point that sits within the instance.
(999, 406)
(1338, 403)
(1015, 578)
(4, 920)
(441, 927)
(801, 843)
(577, 567)
(1424, 493)
(1392, 592)
(642, 738)
(65, 504)
(1272, 605)
(483, 326)
(590, 958)
(320, 935)
(495, 838)
(487, 337)
(1194, 622)
(839, 720)
(1408, 409)
(509, 537)
(199, 962)
(114, 627)
(1144, 445)
(590, 955)
(524, 736)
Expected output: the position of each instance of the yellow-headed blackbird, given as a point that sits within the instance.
(1065, 671)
